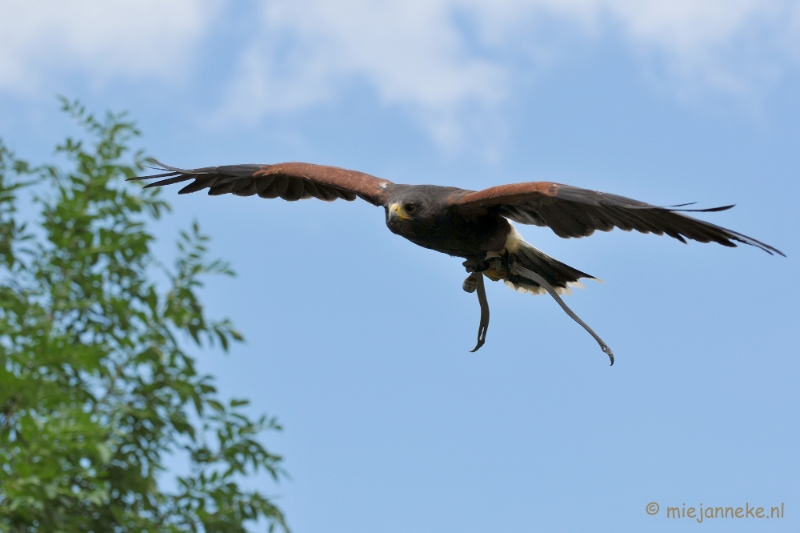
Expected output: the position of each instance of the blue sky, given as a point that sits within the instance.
(358, 340)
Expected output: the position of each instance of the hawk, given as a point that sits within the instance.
(473, 225)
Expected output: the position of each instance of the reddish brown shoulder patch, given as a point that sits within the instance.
(511, 194)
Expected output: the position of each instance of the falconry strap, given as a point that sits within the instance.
(541, 281)
(475, 281)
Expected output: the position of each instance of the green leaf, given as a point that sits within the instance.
(104, 451)
(98, 391)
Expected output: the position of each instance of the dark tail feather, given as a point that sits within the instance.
(556, 273)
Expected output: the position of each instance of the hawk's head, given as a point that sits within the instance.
(410, 208)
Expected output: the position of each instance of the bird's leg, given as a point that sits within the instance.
(475, 281)
(474, 268)
(476, 265)
(483, 327)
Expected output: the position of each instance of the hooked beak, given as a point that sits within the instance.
(397, 211)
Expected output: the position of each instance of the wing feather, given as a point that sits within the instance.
(198, 184)
(574, 212)
(289, 181)
(221, 188)
(278, 187)
(294, 190)
(263, 184)
(244, 187)
(327, 194)
(248, 188)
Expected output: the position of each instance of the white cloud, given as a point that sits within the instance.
(409, 52)
(439, 58)
(450, 63)
(104, 39)
(729, 45)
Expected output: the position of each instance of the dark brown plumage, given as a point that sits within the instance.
(473, 225)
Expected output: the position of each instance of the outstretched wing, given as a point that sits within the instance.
(574, 212)
(290, 181)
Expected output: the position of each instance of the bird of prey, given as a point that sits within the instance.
(473, 225)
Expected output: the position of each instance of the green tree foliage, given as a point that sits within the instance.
(98, 394)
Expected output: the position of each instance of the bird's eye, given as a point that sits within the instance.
(410, 208)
